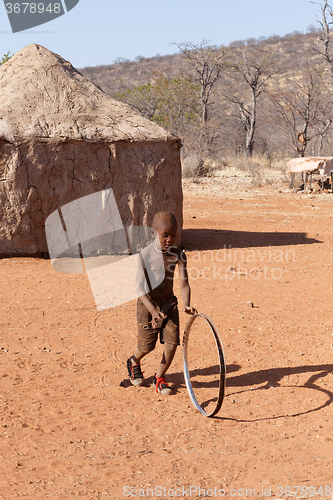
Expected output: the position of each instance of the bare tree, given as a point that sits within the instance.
(325, 21)
(253, 73)
(206, 63)
(304, 110)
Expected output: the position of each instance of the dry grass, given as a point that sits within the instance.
(262, 169)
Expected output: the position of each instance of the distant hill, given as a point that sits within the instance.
(124, 75)
(294, 51)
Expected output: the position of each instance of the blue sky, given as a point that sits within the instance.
(99, 31)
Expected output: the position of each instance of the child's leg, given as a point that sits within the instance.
(137, 356)
(134, 368)
(133, 363)
(147, 336)
(168, 355)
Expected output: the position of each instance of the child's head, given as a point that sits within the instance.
(165, 224)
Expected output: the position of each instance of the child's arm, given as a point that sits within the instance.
(141, 288)
(184, 285)
(155, 314)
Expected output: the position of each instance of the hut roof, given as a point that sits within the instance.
(43, 97)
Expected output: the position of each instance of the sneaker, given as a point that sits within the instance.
(161, 386)
(134, 373)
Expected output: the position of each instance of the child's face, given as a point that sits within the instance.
(167, 234)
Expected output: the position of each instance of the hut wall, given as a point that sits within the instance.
(40, 176)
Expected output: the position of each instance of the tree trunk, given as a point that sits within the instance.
(250, 133)
(204, 113)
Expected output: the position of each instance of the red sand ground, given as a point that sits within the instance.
(72, 425)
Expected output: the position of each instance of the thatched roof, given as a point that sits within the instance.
(43, 96)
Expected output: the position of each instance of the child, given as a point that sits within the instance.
(157, 311)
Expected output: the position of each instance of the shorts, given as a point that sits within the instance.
(167, 328)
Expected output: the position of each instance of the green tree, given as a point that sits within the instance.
(178, 104)
(142, 98)
(5, 58)
(173, 104)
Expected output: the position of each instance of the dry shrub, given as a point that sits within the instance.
(262, 169)
(193, 167)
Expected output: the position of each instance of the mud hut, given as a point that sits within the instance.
(62, 138)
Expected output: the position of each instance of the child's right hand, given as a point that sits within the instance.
(190, 310)
(155, 316)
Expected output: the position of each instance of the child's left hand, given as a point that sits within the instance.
(190, 310)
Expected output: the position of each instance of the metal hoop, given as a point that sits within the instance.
(221, 359)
